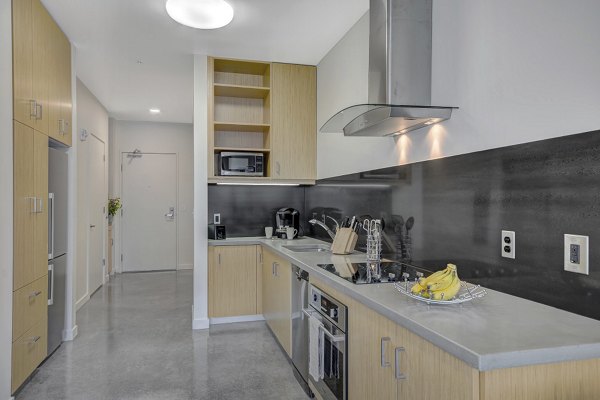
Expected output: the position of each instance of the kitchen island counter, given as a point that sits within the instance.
(497, 331)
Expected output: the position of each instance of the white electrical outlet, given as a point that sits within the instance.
(508, 244)
(576, 254)
(216, 219)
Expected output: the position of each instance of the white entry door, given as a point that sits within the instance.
(149, 219)
(97, 205)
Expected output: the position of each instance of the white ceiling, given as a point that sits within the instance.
(111, 35)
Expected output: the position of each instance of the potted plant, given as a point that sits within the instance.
(114, 205)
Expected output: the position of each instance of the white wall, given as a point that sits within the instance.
(519, 71)
(200, 307)
(156, 137)
(6, 198)
(93, 117)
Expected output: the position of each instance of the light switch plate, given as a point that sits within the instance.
(579, 245)
(508, 244)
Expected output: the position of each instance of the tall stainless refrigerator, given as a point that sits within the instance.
(57, 245)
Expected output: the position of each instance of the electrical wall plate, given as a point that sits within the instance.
(217, 219)
(508, 244)
(576, 254)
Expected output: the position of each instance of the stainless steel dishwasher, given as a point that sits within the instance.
(300, 327)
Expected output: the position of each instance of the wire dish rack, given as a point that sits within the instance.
(466, 293)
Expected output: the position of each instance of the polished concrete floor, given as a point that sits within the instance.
(136, 342)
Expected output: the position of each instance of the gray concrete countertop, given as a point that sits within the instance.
(497, 331)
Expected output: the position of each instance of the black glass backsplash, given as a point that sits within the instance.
(246, 210)
(454, 209)
(459, 205)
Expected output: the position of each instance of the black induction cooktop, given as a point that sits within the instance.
(374, 272)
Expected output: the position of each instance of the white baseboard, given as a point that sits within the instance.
(79, 303)
(70, 334)
(185, 266)
(202, 323)
(241, 318)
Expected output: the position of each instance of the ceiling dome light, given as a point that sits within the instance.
(200, 14)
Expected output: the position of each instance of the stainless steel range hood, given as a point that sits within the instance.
(399, 74)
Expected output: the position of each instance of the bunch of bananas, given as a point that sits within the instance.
(441, 285)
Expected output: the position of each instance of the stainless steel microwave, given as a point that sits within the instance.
(240, 164)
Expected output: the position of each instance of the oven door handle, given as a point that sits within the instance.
(334, 338)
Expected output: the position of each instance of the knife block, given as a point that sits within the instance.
(344, 242)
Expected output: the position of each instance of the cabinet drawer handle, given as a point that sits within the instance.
(41, 113)
(35, 339)
(219, 259)
(33, 109)
(41, 208)
(384, 362)
(35, 294)
(399, 374)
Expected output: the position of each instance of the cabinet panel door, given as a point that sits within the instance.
(259, 280)
(371, 342)
(24, 203)
(268, 305)
(40, 181)
(28, 352)
(65, 86)
(283, 304)
(294, 125)
(30, 304)
(232, 281)
(53, 66)
(42, 40)
(432, 373)
(22, 61)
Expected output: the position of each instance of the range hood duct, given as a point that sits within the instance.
(399, 74)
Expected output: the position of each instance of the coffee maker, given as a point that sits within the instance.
(284, 218)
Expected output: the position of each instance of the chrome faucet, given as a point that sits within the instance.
(323, 225)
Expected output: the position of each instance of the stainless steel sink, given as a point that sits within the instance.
(308, 248)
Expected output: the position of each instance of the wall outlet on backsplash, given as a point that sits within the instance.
(216, 219)
(576, 254)
(508, 244)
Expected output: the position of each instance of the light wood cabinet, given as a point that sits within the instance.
(232, 281)
(263, 107)
(29, 306)
(294, 121)
(277, 298)
(41, 71)
(30, 153)
(28, 351)
(23, 61)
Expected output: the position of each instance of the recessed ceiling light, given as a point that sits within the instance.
(200, 14)
(154, 111)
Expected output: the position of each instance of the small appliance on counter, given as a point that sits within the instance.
(216, 232)
(286, 218)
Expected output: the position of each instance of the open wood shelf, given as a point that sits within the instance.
(253, 150)
(241, 127)
(242, 91)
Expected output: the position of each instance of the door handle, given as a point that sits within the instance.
(92, 226)
(35, 294)
(171, 213)
(399, 374)
(384, 363)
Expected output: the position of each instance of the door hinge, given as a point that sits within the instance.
(104, 157)
(121, 167)
(121, 257)
(121, 212)
(103, 210)
(103, 262)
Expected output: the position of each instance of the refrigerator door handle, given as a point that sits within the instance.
(50, 284)
(51, 226)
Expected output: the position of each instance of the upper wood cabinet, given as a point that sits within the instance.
(41, 71)
(294, 121)
(266, 108)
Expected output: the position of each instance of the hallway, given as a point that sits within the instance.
(135, 342)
